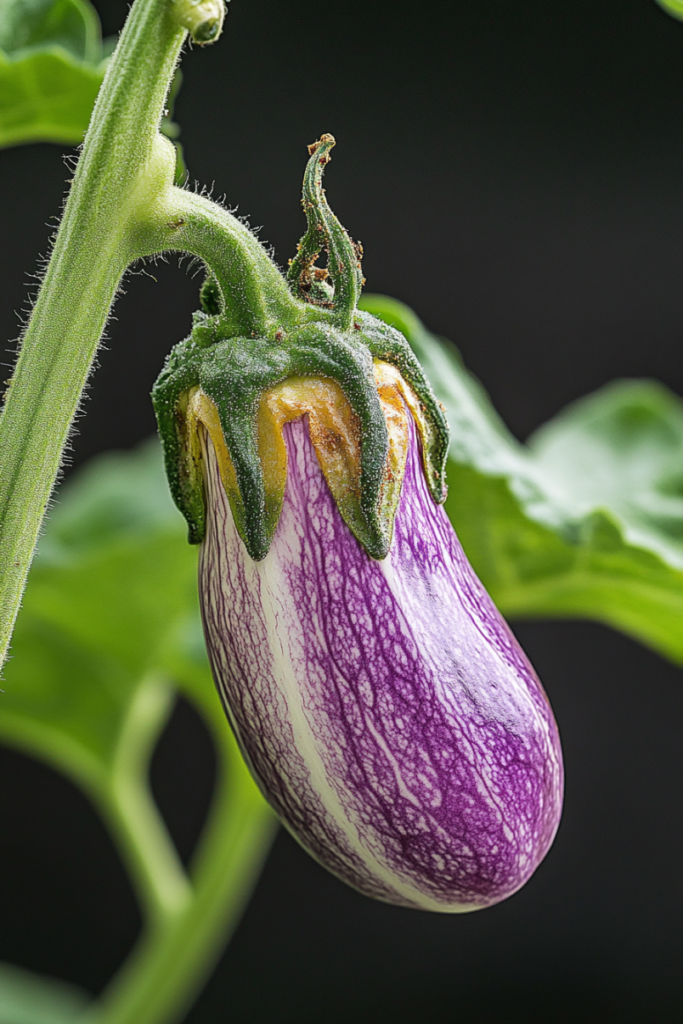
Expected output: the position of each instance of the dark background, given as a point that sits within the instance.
(514, 173)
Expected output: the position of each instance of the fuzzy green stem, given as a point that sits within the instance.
(255, 295)
(122, 161)
(123, 207)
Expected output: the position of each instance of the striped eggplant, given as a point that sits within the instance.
(384, 707)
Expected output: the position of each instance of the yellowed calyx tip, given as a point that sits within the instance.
(335, 434)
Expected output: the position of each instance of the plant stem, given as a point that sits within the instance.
(188, 920)
(176, 952)
(255, 294)
(122, 162)
(120, 791)
(162, 885)
(123, 206)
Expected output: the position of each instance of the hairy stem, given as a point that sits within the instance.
(255, 294)
(123, 206)
(122, 157)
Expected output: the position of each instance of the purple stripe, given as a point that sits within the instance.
(417, 756)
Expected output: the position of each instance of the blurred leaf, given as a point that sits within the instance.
(587, 520)
(46, 96)
(51, 67)
(52, 63)
(672, 7)
(108, 633)
(28, 998)
(108, 603)
(621, 448)
(33, 24)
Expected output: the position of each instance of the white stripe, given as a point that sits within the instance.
(277, 603)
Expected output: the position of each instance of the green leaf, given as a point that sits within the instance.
(46, 96)
(51, 67)
(621, 449)
(52, 64)
(672, 7)
(72, 25)
(108, 633)
(28, 998)
(587, 520)
(108, 602)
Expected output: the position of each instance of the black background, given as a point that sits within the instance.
(514, 173)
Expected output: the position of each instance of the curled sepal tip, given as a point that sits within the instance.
(202, 18)
(338, 286)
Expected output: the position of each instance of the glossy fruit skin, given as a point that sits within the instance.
(386, 710)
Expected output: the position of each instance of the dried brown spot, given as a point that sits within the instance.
(330, 441)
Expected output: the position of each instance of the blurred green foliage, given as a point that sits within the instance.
(585, 521)
(52, 62)
(108, 636)
(672, 7)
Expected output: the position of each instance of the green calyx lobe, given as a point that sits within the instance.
(320, 333)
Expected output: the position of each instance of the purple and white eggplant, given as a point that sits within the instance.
(384, 707)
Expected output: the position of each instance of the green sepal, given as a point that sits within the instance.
(389, 345)
(180, 373)
(324, 231)
(234, 374)
(325, 336)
